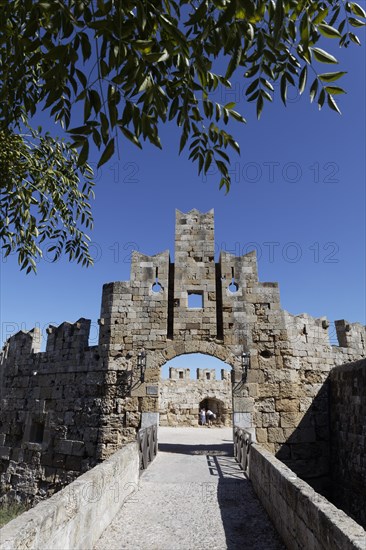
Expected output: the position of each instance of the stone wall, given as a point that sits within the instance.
(180, 399)
(84, 403)
(77, 516)
(303, 518)
(348, 438)
(49, 417)
(291, 409)
(53, 406)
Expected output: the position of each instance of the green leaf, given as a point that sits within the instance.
(314, 89)
(237, 116)
(304, 28)
(234, 144)
(323, 12)
(260, 104)
(331, 77)
(354, 38)
(356, 22)
(283, 89)
(357, 10)
(234, 62)
(95, 100)
(221, 166)
(183, 141)
(173, 108)
(334, 90)
(252, 86)
(107, 153)
(225, 182)
(267, 84)
(328, 31)
(252, 71)
(208, 161)
(332, 104)
(104, 127)
(131, 136)
(321, 99)
(302, 79)
(84, 153)
(323, 56)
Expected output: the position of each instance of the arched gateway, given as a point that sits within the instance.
(193, 305)
(195, 383)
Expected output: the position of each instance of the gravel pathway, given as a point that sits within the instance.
(192, 497)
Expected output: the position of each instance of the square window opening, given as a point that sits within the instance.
(195, 300)
(36, 432)
(180, 374)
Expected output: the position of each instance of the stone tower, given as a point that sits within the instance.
(195, 276)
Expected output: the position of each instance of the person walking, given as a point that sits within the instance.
(203, 416)
(210, 417)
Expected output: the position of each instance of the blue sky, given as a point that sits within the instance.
(193, 361)
(297, 197)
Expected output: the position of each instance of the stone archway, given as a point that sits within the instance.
(151, 319)
(157, 358)
(228, 354)
(190, 383)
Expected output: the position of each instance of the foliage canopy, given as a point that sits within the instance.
(118, 68)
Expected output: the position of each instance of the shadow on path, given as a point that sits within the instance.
(245, 522)
(225, 449)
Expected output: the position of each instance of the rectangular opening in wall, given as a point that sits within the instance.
(36, 432)
(171, 302)
(219, 314)
(180, 374)
(195, 299)
(208, 375)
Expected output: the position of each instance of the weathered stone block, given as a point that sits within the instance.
(289, 420)
(276, 435)
(270, 419)
(78, 448)
(262, 435)
(73, 463)
(265, 405)
(64, 446)
(5, 452)
(287, 405)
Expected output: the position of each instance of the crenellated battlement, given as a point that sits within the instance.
(351, 335)
(147, 269)
(206, 375)
(64, 343)
(22, 344)
(68, 337)
(305, 331)
(241, 270)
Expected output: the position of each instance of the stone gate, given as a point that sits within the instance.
(65, 409)
(181, 397)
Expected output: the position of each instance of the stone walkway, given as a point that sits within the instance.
(192, 497)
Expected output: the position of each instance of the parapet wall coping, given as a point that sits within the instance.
(73, 518)
(343, 527)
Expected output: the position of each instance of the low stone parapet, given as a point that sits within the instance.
(303, 518)
(74, 518)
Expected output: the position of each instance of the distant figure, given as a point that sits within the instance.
(203, 417)
(210, 417)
